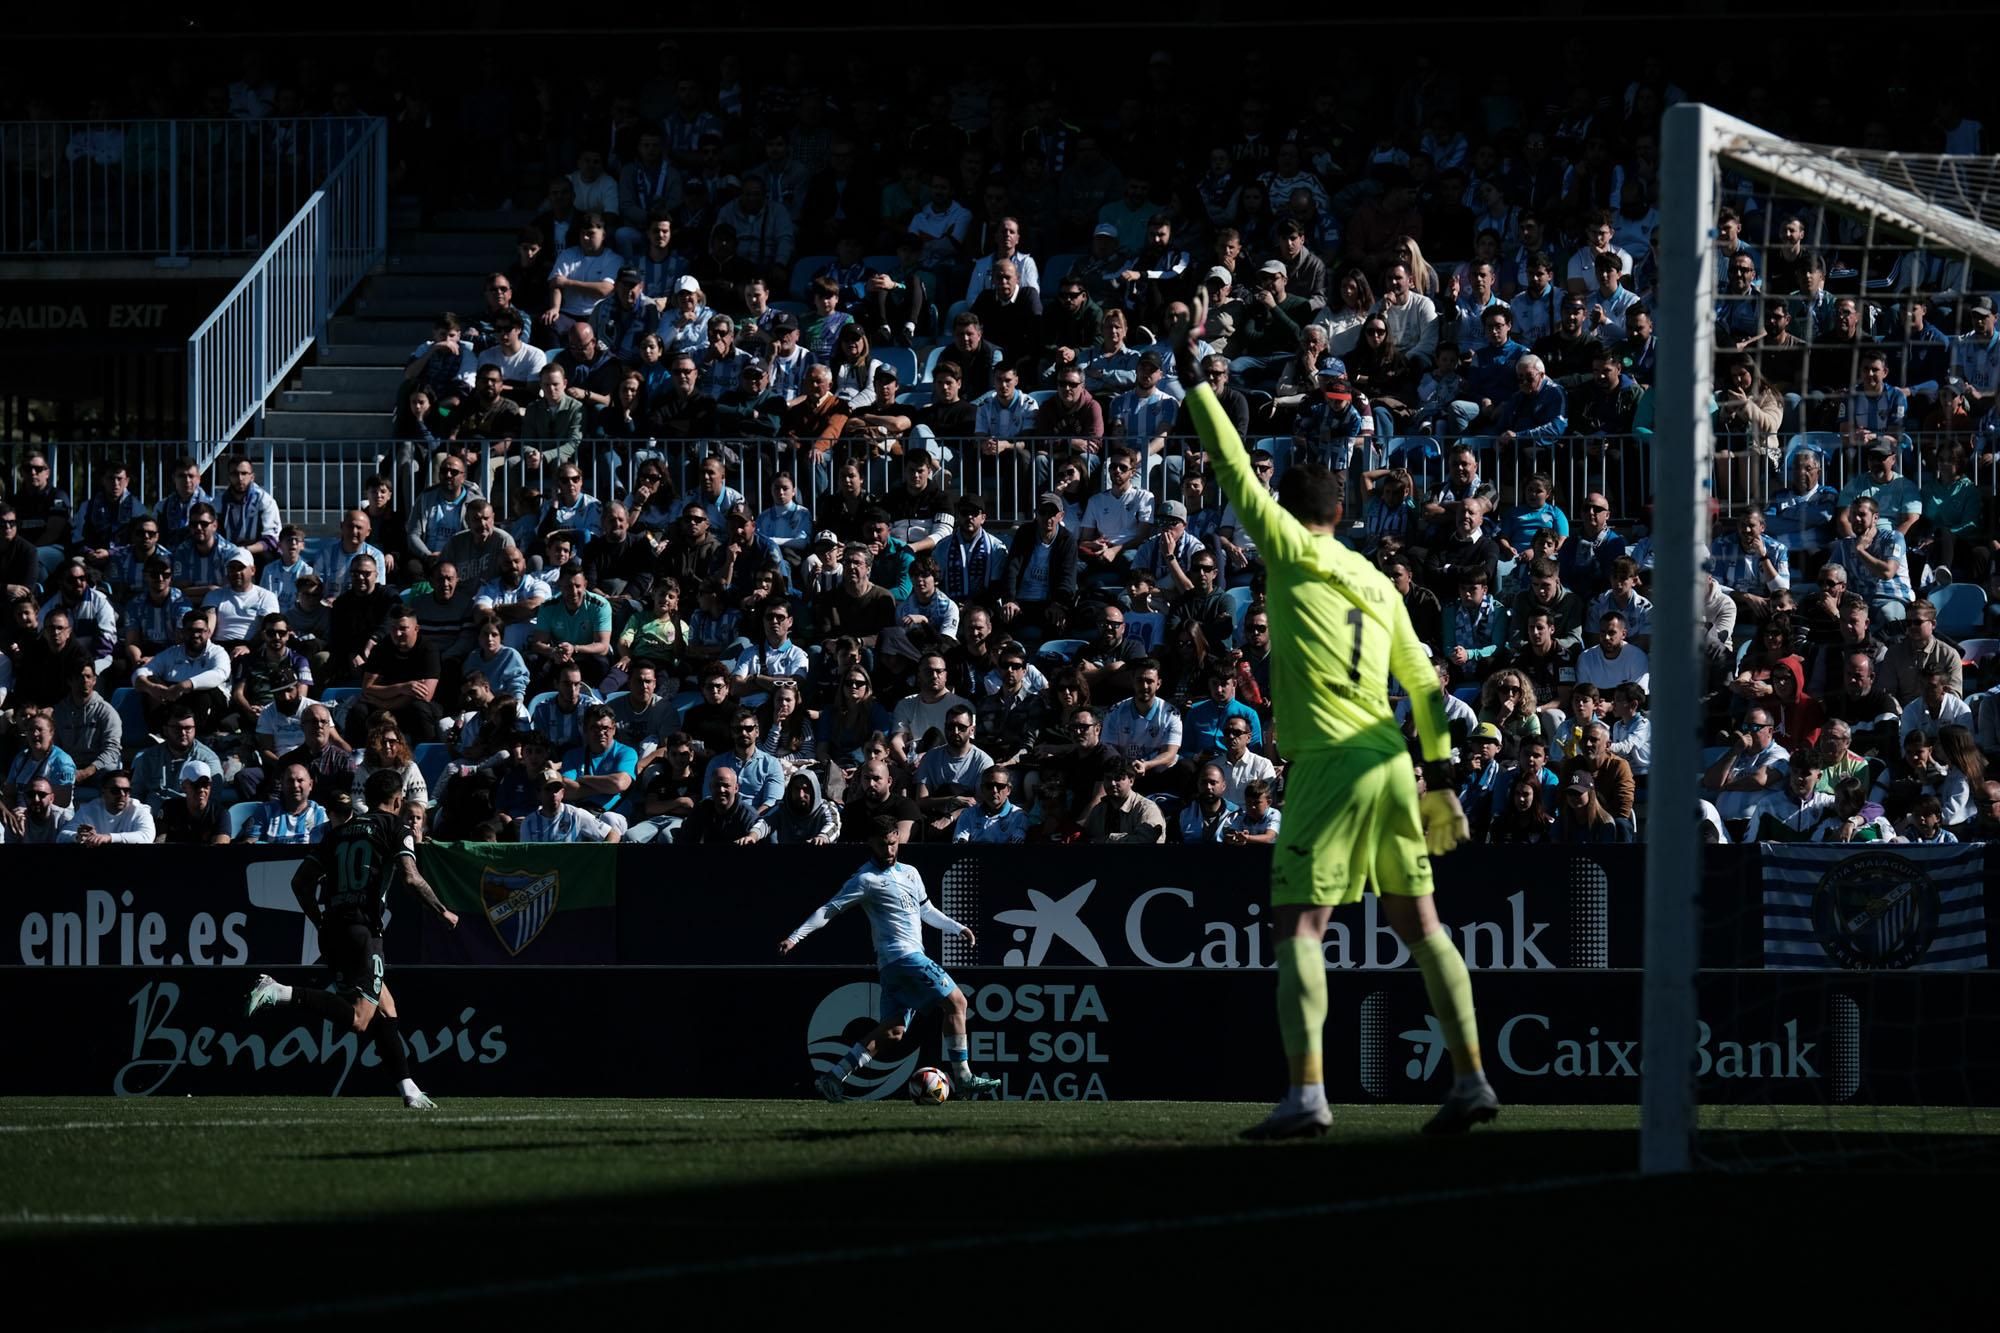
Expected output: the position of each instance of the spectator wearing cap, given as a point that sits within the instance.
(1037, 584)
(93, 621)
(1611, 774)
(1898, 502)
(240, 606)
(193, 817)
(684, 328)
(1581, 817)
(971, 558)
(789, 358)
(622, 320)
(1268, 326)
(1975, 356)
(753, 409)
(1169, 553)
(555, 820)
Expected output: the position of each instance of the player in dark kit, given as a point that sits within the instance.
(343, 887)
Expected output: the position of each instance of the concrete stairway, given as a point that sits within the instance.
(349, 392)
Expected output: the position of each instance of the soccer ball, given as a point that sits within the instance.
(929, 1086)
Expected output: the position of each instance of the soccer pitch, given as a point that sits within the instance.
(245, 1212)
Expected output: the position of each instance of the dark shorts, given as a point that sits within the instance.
(355, 955)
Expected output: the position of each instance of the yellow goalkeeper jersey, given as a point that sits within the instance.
(1338, 627)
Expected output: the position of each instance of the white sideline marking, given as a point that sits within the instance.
(1082, 1231)
(288, 1122)
(26, 1218)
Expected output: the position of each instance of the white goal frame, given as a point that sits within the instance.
(1696, 143)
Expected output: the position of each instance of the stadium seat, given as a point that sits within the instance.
(1239, 606)
(240, 815)
(1978, 650)
(1146, 628)
(1825, 443)
(1502, 570)
(796, 309)
(1056, 270)
(335, 695)
(905, 362)
(431, 759)
(538, 700)
(804, 271)
(957, 308)
(615, 696)
(130, 706)
(1041, 396)
(1467, 694)
(682, 702)
(1412, 449)
(1961, 608)
(879, 263)
(1063, 650)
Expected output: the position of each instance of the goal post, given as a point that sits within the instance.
(1916, 228)
(1682, 465)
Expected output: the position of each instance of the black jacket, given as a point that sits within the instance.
(1062, 563)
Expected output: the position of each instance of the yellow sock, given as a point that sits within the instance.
(1449, 987)
(1302, 1007)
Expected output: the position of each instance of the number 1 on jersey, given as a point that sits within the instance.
(1356, 619)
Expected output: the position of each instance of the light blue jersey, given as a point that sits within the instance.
(897, 908)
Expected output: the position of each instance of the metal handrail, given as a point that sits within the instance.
(173, 189)
(243, 351)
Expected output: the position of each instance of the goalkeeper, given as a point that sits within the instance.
(1352, 816)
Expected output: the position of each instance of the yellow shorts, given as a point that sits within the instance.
(1351, 820)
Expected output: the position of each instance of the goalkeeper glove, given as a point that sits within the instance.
(1445, 825)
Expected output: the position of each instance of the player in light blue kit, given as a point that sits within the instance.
(898, 909)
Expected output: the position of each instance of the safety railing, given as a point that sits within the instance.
(171, 189)
(315, 481)
(245, 349)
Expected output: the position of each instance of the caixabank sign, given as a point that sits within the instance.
(1113, 1033)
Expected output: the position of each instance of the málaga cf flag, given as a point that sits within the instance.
(1874, 906)
(532, 902)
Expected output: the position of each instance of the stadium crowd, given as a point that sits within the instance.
(813, 458)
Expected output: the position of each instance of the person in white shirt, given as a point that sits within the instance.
(1411, 316)
(1147, 730)
(774, 657)
(1753, 764)
(1007, 245)
(1257, 821)
(1581, 275)
(193, 671)
(558, 821)
(919, 714)
(240, 605)
(1120, 517)
(993, 817)
(596, 190)
(113, 817)
(1796, 803)
(1936, 708)
(1612, 661)
(583, 275)
(519, 361)
(1242, 765)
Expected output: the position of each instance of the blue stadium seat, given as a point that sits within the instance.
(880, 263)
(335, 695)
(1064, 650)
(804, 271)
(1056, 270)
(1403, 447)
(240, 815)
(957, 308)
(431, 758)
(682, 702)
(1041, 396)
(538, 700)
(130, 706)
(1239, 606)
(903, 359)
(797, 309)
(1978, 650)
(1961, 608)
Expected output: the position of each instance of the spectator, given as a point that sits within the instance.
(291, 817)
(34, 816)
(107, 517)
(1258, 821)
(574, 629)
(583, 274)
(400, 677)
(1582, 818)
(176, 509)
(194, 817)
(93, 622)
(87, 727)
(1934, 706)
(42, 509)
(602, 769)
(1147, 730)
(1926, 822)
(555, 820)
(804, 818)
(760, 776)
(39, 757)
(1123, 816)
(1919, 652)
(1203, 818)
(248, 514)
(193, 673)
(240, 606)
(199, 560)
(1587, 557)
(1876, 561)
(1612, 661)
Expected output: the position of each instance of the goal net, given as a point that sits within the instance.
(1825, 448)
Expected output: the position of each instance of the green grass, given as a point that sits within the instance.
(225, 1207)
